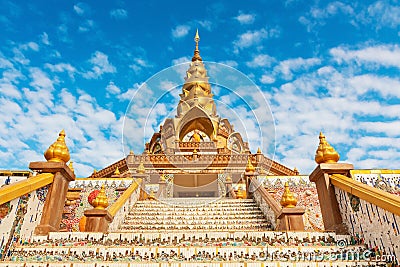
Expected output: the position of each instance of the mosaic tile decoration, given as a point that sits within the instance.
(306, 194)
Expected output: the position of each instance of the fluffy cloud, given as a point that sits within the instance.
(180, 31)
(119, 13)
(100, 65)
(244, 18)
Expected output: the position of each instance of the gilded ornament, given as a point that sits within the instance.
(101, 200)
(288, 199)
(141, 169)
(325, 152)
(58, 151)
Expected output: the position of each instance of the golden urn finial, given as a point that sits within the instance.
(325, 152)
(101, 200)
(258, 151)
(117, 172)
(249, 165)
(196, 55)
(240, 193)
(58, 151)
(288, 200)
(141, 169)
(71, 167)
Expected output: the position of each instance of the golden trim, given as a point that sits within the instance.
(378, 171)
(15, 190)
(114, 208)
(368, 193)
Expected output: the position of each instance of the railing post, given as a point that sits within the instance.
(326, 194)
(55, 199)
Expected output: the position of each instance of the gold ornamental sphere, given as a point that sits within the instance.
(249, 165)
(101, 200)
(58, 151)
(325, 152)
(288, 199)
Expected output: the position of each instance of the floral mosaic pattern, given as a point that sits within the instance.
(306, 194)
(74, 212)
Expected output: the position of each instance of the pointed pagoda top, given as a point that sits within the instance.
(196, 56)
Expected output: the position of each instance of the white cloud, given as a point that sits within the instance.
(255, 37)
(260, 60)
(62, 67)
(245, 18)
(112, 88)
(385, 86)
(45, 38)
(287, 67)
(382, 14)
(267, 79)
(100, 65)
(180, 31)
(119, 13)
(381, 55)
(139, 64)
(82, 9)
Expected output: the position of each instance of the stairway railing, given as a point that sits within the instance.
(368, 193)
(119, 208)
(18, 189)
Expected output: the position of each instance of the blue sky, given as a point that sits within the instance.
(326, 66)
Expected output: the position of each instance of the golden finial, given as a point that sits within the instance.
(58, 151)
(101, 200)
(94, 171)
(196, 55)
(195, 151)
(240, 193)
(70, 166)
(117, 172)
(325, 152)
(141, 169)
(258, 151)
(296, 171)
(249, 165)
(131, 152)
(288, 200)
(228, 178)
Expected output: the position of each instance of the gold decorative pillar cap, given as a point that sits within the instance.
(258, 151)
(117, 172)
(101, 200)
(288, 200)
(240, 193)
(58, 151)
(325, 152)
(249, 165)
(141, 169)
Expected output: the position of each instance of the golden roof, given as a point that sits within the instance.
(101, 200)
(325, 152)
(288, 199)
(58, 151)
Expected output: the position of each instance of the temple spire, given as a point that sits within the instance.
(196, 55)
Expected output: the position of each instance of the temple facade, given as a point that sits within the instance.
(197, 196)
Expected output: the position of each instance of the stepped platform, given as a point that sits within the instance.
(192, 232)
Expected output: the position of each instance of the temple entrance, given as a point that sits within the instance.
(196, 185)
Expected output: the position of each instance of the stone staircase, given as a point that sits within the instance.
(200, 214)
(192, 232)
